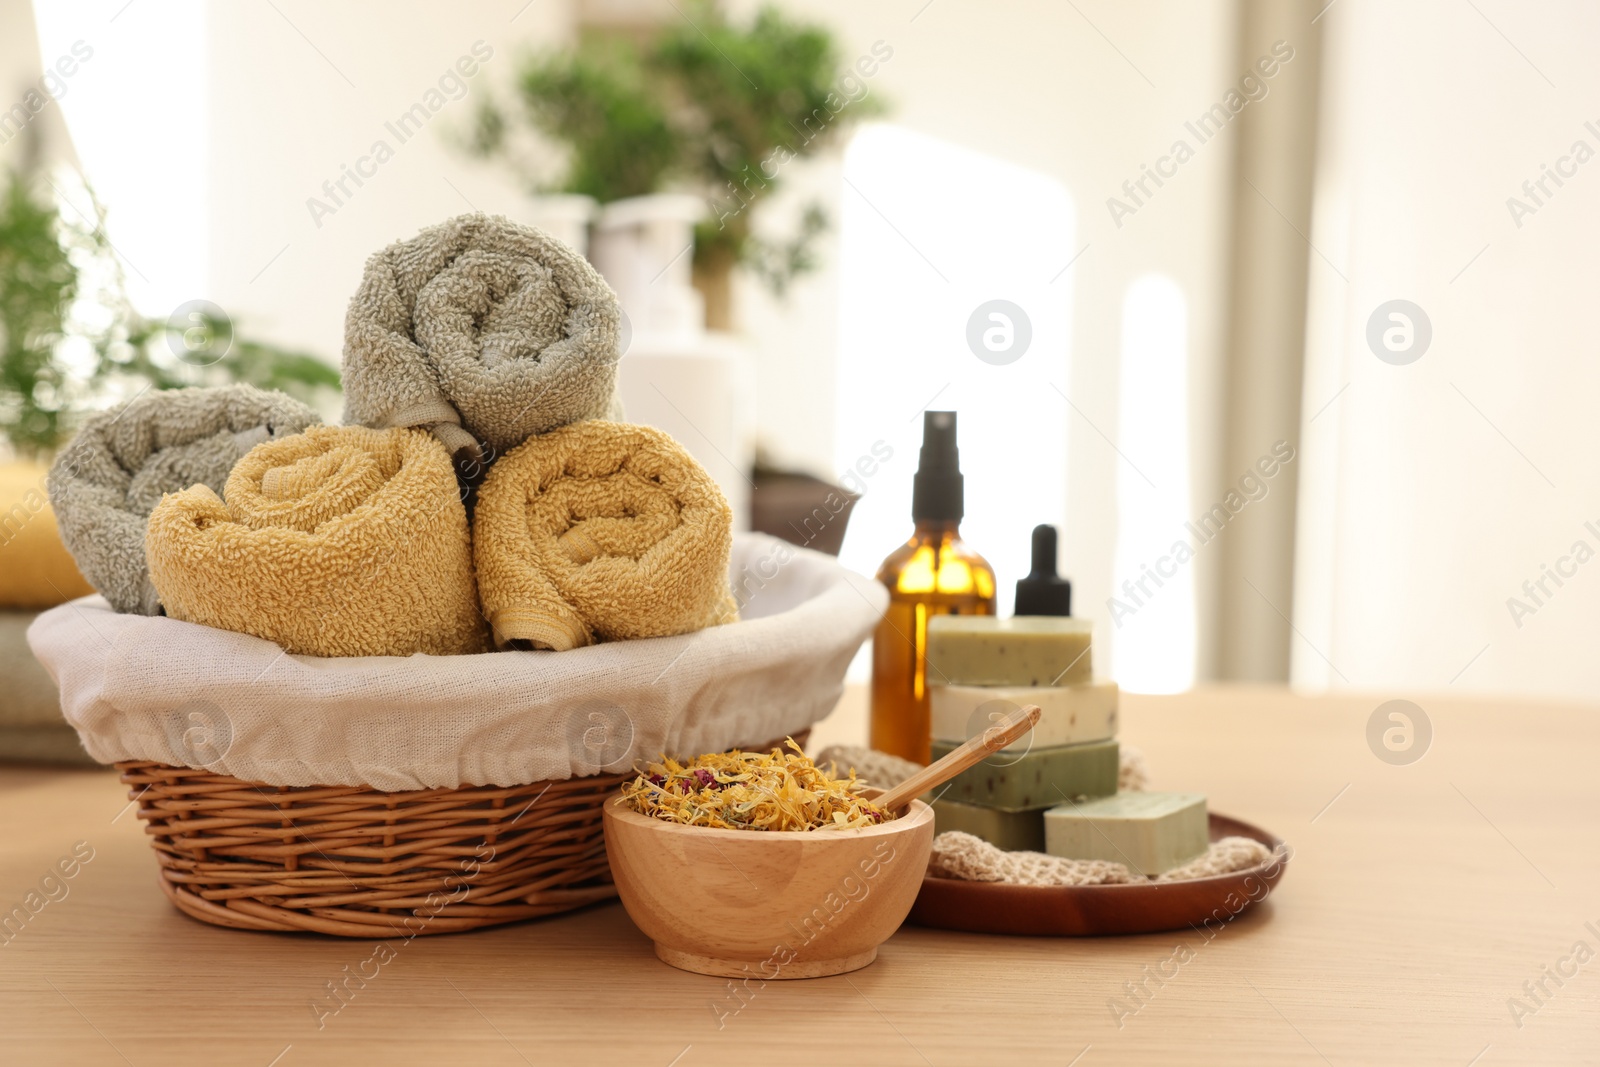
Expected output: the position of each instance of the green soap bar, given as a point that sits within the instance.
(1021, 650)
(1014, 831)
(1150, 832)
(1038, 779)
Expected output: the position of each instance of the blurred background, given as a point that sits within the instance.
(1279, 310)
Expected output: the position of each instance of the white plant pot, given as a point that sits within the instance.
(565, 216)
(644, 247)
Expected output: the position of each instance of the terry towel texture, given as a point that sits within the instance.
(105, 482)
(482, 331)
(601, 531)
(341, 541)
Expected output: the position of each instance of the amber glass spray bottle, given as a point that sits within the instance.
(934, 573)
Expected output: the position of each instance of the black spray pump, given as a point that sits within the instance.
(936, 491)
(1043, 591)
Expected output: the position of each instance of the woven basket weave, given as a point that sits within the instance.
(357, 862)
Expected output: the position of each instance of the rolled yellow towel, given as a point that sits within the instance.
(36, 571)
(339, 541)
(601, 531)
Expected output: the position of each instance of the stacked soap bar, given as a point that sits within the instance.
(1069, 715)
(1011, 830)
(1030, 650)
(981, 669)
(1054, 789)
(1037, 779)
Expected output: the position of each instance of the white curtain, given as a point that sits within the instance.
(1447, 495)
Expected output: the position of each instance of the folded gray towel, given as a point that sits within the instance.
(105, 483)
(484, 331)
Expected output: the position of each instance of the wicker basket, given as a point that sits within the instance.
(355, 862)
(370, 825)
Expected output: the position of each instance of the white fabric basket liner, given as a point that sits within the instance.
(141, 688)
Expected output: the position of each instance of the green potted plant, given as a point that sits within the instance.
(700, 105)
(46, 262)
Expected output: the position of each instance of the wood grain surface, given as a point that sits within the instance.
(1420, 900)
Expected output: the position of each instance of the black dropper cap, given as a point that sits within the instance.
(936, 491)
(1043, 591)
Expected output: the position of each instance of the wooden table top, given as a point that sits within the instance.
(1420, 900)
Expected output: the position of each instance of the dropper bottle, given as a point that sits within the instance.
(1043, 591)
(934, 573)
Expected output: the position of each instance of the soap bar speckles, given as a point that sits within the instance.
(1149, 832)
(1032, 650)
(1070, 715)
(1014, 831)
(1041, 778)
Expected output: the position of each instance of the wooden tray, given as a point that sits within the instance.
(1082, 911)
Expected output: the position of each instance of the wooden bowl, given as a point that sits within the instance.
(767, 905)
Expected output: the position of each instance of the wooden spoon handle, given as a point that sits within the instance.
(974, 751)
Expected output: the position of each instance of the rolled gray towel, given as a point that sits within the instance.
(105, 483)
(486, 332)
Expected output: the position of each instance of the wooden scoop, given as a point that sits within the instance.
(974, 751)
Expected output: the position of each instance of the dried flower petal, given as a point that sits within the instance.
(751, 791)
